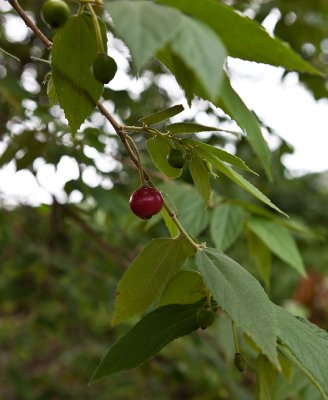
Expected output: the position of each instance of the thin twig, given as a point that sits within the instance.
(29, 23)
(122, 135)
(120, 131)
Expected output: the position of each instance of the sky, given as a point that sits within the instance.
(285, 105)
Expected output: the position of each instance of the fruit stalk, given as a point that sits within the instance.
(100, 44)
(29, 23)
(134, 149)
(235, 340)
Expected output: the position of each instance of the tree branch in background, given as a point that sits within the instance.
(96, 236)
(29, 23)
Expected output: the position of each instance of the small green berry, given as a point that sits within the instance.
(205, 317)
(55, 13)
(240, 362)
(104, 68)
(176, 158)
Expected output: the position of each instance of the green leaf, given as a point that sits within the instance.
(160, 116)
(205, 61)
(227, 223)
(77, 89)
(200, 177)
(279, 241)
(286, 366)
(209, 152)
(145, 27)
(253, 208)
(184, 288)
(185, 77)
(148, 337)
(171, 227)
(242, 182)
(242, 37)
(51, 92)
(242, 297)
(190, 127)
(308, 344)
(158, 148)
(261, 255)
(266, 377)
(190, 207)
(233, 105)
(146, 278)
(300, 368)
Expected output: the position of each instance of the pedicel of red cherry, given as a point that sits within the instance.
(146, 202)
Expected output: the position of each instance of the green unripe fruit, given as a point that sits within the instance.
(176, 158)
(104, 68)
(240, 362)
(205, 317)
(55, 13)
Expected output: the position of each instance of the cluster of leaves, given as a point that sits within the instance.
(169, 279)
(303, 24)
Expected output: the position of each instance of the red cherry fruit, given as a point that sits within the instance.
(146, 202)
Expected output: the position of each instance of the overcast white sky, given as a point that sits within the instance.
(285, 105)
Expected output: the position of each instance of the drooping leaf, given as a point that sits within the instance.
(266, 376)
(302, 370)
(146, 278)
(145, 27)
(159, 149)
(286, 366)
(51, 92)
(190, 127)
(201, 178)
(160, 116)
(76, 88)
(148, 337)
(171, 226)
(184, 75)
(189, 206)
(261, 256)
(278, 240)
(185, 287)
(243, 37)
(308, 344)
(242, 297)
(226, 225)
(208, 152)
(205, 61)
(240, 180)
(233, 105)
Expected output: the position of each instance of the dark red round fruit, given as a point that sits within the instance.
(146, 202)
(205, 317)
(104, 68)
(55, 13)
(176, 158)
